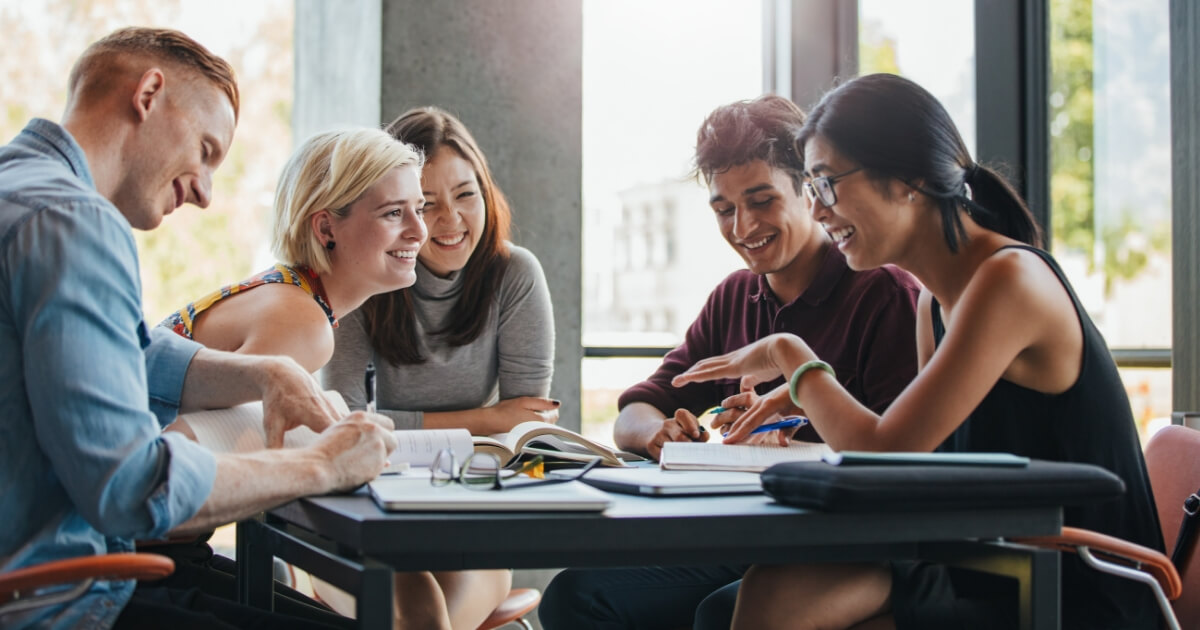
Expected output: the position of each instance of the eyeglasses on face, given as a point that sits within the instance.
(482, 471)
(821, 188)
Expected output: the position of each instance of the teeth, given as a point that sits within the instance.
(403, 254)
(451, 241)
(840, 234)
(756, 244)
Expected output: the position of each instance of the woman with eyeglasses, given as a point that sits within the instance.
(1009, 361)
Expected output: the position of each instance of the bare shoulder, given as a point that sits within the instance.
(1021, 275)
(286, 320)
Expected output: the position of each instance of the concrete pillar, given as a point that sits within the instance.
(512, 72)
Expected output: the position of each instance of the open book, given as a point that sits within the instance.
(239, 429)
(552, 442)
(746, 457)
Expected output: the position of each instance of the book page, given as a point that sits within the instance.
(751, 458)
(557, 438)
(239, 430)
(418, 447)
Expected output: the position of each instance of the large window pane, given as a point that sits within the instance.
(931, 42)
(195, 251)
(652, 252)
(1110, 185)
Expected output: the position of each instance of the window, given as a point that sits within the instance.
(651, 72)
(194, 251)
(1110, 181)
(913, 39)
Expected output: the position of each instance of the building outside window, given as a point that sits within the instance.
(652, 71)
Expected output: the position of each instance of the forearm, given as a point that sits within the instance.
(473, 420)
(841, 420)
(218, 379)
(636, 425)
(248, 483)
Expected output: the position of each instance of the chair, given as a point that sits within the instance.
(18, 589)
(520, 602)
(1173, 463)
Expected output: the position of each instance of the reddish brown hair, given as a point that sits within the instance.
(93, 69)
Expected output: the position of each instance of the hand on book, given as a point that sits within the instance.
(356, 448)
(506, 414)
(293, 398)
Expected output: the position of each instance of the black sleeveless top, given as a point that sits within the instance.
(1089, 423)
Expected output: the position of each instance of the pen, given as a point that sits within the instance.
(718, 410)
(786, 423)
(369, 382)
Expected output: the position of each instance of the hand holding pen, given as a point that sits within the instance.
(765, 410)
(369, 386)
(683, 427)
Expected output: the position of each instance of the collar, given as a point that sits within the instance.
(832, 267)
(432, 287)
(55, 142)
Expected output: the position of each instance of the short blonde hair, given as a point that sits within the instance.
(330, 171)
(94, 69)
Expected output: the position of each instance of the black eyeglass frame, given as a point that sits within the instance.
(498, 480)
(814, 194)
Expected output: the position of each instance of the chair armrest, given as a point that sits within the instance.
(116, 566)
(1157, 564)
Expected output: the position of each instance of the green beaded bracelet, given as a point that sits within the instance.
(795, 380)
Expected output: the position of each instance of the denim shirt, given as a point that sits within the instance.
(84, 388)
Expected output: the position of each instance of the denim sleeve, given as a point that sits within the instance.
(76, 297)
(167, 358)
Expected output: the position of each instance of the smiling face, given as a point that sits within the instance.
(378, 239)
(868, 222)
(764, 218)
(454, 212)
(172, 157)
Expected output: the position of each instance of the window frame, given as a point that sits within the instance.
(1012, 47)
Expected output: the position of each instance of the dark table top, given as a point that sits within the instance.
(638, 530)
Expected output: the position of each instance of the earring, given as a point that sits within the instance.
(330, 245)
(910, 198)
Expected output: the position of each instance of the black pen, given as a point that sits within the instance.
(370, 386)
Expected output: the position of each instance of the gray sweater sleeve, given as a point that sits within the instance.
(525, 340)
(345, 370)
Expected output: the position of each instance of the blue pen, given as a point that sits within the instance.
(786, 423)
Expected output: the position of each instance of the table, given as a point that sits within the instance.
(349, 542)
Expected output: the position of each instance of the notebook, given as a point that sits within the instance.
(656, 482)
(743, 457)
(416, 494)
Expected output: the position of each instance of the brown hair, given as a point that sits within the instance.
(92, 72)
(761, 129)
(390, 319)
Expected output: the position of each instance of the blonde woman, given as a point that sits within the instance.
(347, 224)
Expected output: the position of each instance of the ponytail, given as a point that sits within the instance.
(995, 205)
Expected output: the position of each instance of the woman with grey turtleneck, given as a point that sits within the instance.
(471, 344)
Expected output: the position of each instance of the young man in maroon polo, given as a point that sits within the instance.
(861, 322)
